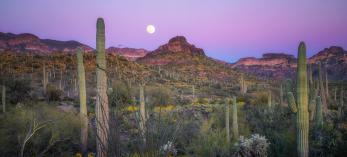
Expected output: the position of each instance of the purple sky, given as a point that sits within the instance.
(225, 29)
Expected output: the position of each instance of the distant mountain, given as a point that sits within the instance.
(188, 60)
(130, 54)
(169, 53)
(30, 43)
(282, 66)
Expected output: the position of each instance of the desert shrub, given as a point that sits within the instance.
(256, 145)
(17, 90)
(120, 94)
(58, 136)
(158, 95)
(53, 93)
(276, 124)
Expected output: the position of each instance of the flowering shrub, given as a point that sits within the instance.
(168, 149)
(255, 146)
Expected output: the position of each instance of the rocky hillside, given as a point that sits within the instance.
(282, 66)
(30, 43)
(186, 59)
(130, 54)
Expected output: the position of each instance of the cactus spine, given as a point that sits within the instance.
(3, 98)
(83, 103)
(102, 108)
(322, 90)
(300, 106)
(227, 122)
(235, 124)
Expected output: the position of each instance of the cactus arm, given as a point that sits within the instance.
(291, 102)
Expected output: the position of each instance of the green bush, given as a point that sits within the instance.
(59, 135)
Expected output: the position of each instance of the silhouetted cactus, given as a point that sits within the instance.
(102, 108)
(300, 106)
(83, 103)
(235, 124)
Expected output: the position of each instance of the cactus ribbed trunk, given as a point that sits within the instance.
(302, 116)
(83, 103)
(227, 122)
(319, 113)
(321, 88)
(102, 108)
(3, 98)
(143, 117)
(235, 124)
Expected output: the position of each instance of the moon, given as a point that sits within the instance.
(150, 29)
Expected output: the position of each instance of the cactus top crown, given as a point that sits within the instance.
(100, 23)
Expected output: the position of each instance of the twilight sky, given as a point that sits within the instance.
(225, 29)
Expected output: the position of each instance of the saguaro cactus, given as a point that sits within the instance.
(340, 107)
(227, 118)
(45, 78)
(300, 107)
(3, 98)
(322, 88)
(243, 86)
(235, 124)
(281, 95)
(83, 103)
(269, 102)
(143, 117)
(102, 108)
(319, 114)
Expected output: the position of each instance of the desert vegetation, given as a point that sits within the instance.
(99, 104)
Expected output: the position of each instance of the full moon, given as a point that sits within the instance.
(150, 29)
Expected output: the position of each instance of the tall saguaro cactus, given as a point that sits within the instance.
(319, 114)
(45, 78)
(227, 118)
(300, 106)
(102, 108)
(281, 95)
(340, 107)
(143, 117)
(83, 103)
(235, 124)
(269, 101)
(322, 88)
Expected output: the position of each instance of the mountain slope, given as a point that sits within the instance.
(30, 43)
(282, 66)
